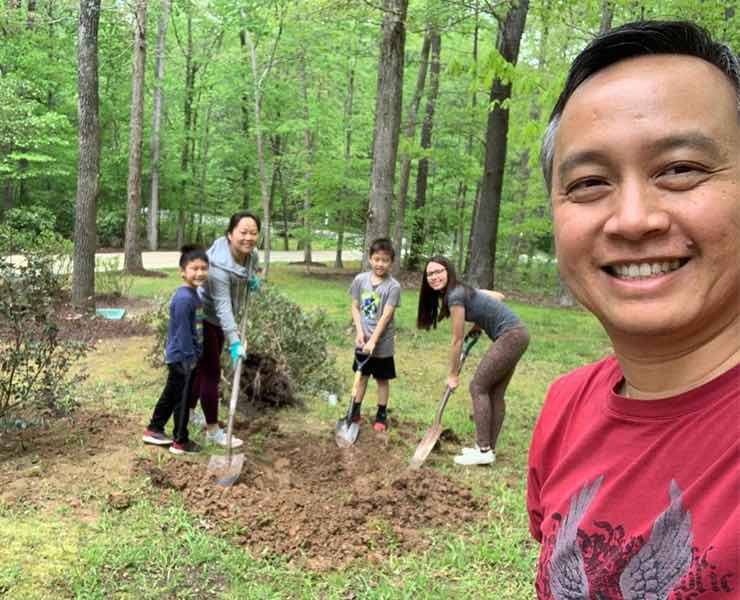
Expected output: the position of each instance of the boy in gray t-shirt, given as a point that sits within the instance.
(375, 296)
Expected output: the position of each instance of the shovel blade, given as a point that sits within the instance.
(425, 446)
(345, 435)
(226, 471)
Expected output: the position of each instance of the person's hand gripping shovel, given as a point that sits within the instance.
(228, 468)
(432, 435)
(346, 431)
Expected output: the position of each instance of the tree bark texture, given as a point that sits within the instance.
(348, 110)
(88, 173)
(422, 171)
(153, 222)
(485, 226)
(187, 111)
(409, 133)
(132, 253)
(607, 14)
(308, 146)
(245, 116)
(387, 121)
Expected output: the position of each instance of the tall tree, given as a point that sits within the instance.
(153, 222)
(88, 174)
(258, 80)
(422, 171)
(485, 225)
(387, 121)
(348, 108)
(308, 146)
(409, 135)
(132, 253)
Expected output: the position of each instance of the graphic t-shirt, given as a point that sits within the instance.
(491, 315)
(373, 300)
(635, 499)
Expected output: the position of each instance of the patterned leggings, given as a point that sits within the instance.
(490, 381)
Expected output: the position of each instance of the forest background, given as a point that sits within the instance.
(144, 124)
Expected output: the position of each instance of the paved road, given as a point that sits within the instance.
(168, 260)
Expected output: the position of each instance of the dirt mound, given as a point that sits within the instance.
(264, 383)
(305, 499)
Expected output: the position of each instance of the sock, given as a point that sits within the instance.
(380, 415)
(356, 409)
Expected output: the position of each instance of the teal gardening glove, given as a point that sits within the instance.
(254, 283)
(236, 349)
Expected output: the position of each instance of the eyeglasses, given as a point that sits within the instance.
(431, 274)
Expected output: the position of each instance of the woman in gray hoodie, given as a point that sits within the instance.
(233, 263)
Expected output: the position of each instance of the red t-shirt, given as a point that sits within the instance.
(635, 499)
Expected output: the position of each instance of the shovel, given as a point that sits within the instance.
(432, 435)
(346, 432)
(228, 468)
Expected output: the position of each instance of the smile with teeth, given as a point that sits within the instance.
(644, 270)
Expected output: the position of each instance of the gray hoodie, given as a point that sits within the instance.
(224, 292)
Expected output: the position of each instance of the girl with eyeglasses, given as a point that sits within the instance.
(441, 296)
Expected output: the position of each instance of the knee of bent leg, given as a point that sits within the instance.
(475, 388)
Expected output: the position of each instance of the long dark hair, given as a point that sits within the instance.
(433, 305)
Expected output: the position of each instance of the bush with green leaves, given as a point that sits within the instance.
(35, 362)
(277, 327)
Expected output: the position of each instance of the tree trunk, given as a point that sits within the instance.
(204, 173)
(409, 133)
(258, 80)
(187, 111)
(31, 16)
(308, 146)
(153, 222)
(485, 226)
(132, 253)
(348, 110)
(245, 117)
(387, 121)
(422, 172)
(88, 174)
(607, 14)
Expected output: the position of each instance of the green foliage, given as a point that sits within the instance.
(110, 279)
(111, 227)
(35, 363)
(31, 221)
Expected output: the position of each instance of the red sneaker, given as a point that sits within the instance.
(379, 426)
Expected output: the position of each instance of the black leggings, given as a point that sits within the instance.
(489, 384)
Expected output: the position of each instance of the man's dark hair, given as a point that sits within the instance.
(382, 245)
(238, 216)
(191, 252)
(641, 38)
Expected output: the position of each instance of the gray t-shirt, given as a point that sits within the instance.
(494, 317)
(373, 300)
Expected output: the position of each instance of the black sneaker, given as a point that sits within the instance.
(155, 437)
(189, 447)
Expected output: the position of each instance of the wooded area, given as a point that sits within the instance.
(325, 116)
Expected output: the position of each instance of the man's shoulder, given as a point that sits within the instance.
(592, 374)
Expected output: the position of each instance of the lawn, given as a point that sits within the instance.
(79, 520)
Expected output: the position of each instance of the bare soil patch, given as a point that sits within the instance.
(301, 497)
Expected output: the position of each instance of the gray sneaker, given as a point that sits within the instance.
(219, 438)
(197, 420)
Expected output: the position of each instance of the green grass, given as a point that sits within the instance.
(162, 551)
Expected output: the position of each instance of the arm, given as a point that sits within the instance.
(457, 316)
(183, 315)
(387, 315)
(220, 287)
(357, 320)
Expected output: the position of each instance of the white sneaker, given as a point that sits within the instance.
(476, 457)
(475, 448)
(219, 438)
(197, 420)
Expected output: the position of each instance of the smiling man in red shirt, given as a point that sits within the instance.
(633, 470)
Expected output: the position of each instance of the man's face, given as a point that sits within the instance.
(646, 197)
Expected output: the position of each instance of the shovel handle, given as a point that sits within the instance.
(237, 381)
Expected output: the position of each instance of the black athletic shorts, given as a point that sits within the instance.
(380, 368)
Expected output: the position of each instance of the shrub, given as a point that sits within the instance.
(35, 363)
(110, 279)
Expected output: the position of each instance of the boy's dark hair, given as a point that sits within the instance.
(382, 245)
(238, 216)
(640, 38)
(191, 252)
(433, 305)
